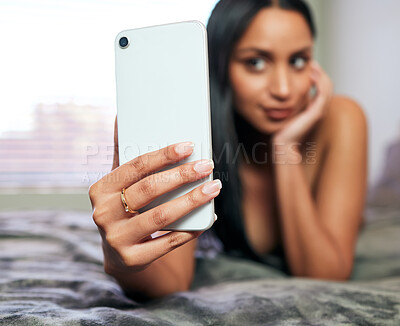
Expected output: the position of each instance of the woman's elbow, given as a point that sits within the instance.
(335, 271)
(339, 275)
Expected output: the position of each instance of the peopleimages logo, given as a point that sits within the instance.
(260, 153)
(263, 153)
(270, 153)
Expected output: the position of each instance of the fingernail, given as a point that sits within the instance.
(211, 187)
(184, 148)
(215, 217)
(204, 166)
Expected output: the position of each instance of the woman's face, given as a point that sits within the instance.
(269, 69)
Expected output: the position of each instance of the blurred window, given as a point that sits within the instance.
(58, 85)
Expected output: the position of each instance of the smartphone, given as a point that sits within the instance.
(163, 98)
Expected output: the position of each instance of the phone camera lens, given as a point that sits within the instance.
(123, 42)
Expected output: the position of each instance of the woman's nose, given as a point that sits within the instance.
(280, 84)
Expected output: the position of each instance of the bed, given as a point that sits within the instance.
(51, 273)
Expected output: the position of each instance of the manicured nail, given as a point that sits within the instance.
(184, 148)
(204, 166)
(211, 187)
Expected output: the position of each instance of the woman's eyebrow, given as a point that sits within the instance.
(267, 53)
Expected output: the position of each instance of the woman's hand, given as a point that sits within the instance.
(297, 128)
(128, 243)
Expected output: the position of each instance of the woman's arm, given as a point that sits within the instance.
(320, 233)
(146, 262)
(169, 274)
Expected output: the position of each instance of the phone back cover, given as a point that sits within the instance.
(162, 99)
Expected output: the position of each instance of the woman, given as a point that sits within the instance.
(292, 165)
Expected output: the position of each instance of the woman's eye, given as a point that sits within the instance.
(256, 63)
(299, 62)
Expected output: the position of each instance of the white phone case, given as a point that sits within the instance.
(162, 99)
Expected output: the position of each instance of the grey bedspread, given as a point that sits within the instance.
(51, 274)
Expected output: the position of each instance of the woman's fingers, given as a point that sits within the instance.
(146, 164)
(132, 240)
(161, 216)
(321, 79)
(145, 253)
(146, 190)
(324, 88)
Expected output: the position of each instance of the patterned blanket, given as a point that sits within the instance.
(51, 273)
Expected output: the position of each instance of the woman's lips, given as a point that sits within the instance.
(278, 114)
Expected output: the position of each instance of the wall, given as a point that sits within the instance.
(360, 50)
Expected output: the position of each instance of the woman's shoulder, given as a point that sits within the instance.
(343, 128)
(343, 110)
(344, 119)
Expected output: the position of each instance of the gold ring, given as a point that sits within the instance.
(126, 207)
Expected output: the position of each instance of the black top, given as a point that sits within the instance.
(229, 229)
(275, 258)
(209, 245)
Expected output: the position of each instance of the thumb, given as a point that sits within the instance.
(116, 157)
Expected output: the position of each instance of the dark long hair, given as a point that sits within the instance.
(226, 25)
